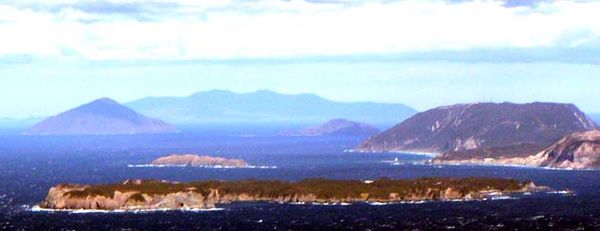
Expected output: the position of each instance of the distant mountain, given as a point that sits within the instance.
(337, 127)
(100, 117)
(482, 128)
(265, 107)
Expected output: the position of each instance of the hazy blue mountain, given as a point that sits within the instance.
(100, 117)
(265, 107)
(336, 127)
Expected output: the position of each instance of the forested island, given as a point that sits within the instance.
(153, 194)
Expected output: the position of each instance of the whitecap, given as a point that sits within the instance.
(85, 211)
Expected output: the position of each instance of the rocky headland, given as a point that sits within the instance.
(151, 194)
(482, 128)
(579, 150)
(198, 161)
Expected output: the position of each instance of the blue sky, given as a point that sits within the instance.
(59, 54)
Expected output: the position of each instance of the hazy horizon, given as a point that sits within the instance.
(255, 91)
(420, 53)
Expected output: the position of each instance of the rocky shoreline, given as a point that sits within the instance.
(151, 194)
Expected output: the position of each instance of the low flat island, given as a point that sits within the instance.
(195, 160)
(152, 194)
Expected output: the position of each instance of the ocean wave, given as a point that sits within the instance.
(84, 211)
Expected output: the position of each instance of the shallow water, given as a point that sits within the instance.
(30, 165)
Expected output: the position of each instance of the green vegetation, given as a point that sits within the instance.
(321, 188)
(137, 198)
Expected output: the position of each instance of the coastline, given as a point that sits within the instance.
(491, 197)
(484, 163)
(409, 152)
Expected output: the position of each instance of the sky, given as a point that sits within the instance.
(61, 53)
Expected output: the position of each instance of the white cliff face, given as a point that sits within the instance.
(580, 150)
(59, 197)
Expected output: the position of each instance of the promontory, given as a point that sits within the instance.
(482, 125)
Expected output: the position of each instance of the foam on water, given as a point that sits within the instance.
(84, 211)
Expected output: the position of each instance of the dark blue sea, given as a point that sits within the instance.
(30, 165)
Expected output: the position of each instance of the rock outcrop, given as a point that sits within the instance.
(337, 127)
(139, 194)
(100, 117)
(198, 161)
(482, 127)
(579, 150)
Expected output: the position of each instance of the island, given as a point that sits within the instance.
(496, 128)
(198, 161)
(100, 117)
(153, 194)
(336, 127)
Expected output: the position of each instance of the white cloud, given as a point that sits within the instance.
(180, 30)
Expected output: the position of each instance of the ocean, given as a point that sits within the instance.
(30, 165)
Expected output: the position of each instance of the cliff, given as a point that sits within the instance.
(337, 127)
(481, 128)
(141, 194)
(198, 161)
(579, 150)
(99, 117)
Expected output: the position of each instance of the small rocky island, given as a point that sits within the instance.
(152, 194)
(198, 161)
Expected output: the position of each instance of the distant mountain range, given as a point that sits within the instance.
(336, 127)
(265, 107)
(483, 128)
(100, 117)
